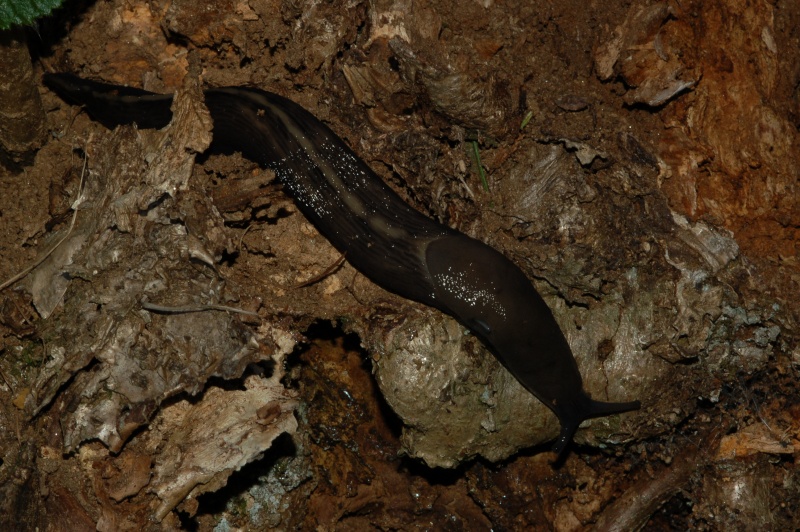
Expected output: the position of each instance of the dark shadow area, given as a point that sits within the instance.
(239, 482)
(50, 30)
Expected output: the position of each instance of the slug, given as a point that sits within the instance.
(383, 237)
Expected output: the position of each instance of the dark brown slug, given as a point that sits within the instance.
(382, 236)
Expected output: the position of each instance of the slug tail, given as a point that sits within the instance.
(113, 105)
(564, 439)
(590, 409)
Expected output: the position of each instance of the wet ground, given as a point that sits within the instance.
(639, 163)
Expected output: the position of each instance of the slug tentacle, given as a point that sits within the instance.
(382, 236)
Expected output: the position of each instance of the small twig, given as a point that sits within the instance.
(3, 376)
(636, 506)
(466, 186)
(185, 309)
(49, 252)
(241, 238)
(335, 266)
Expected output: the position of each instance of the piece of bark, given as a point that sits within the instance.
(21, 115)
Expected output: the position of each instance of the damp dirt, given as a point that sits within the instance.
(190, 353)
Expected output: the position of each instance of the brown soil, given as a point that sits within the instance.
(652, 195)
